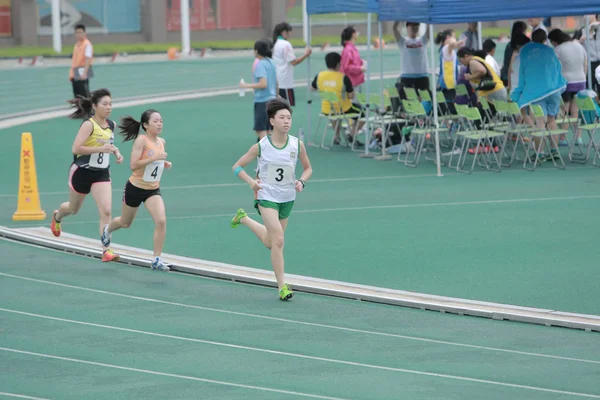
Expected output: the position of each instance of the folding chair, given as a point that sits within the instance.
(445, 116)
(335, 117)
(589, 125)
(387, 120)
(491, 121)
(546, 136)
(411, 94)
(572, 122)
(482, 138)
(422, 130)
(462, 130)
(509, 147)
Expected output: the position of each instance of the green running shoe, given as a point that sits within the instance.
(285, 293)
(235, 222)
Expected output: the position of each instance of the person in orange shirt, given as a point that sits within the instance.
(81, 64)
(148, 161)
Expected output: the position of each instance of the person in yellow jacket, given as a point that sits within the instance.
(81, 64)
(482, 76)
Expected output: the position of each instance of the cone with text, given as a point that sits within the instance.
(28, 203)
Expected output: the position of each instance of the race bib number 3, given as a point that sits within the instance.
(280, 175)
(99, 160)
(153, 171)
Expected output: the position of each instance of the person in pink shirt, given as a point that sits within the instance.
(352, 65)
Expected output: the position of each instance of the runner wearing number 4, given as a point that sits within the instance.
(89, 172)
(275, 187)
(148, 160)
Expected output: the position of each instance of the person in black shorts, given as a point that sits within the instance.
(89, 172)
(148, 161)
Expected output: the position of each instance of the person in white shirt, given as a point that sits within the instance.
(489, 47)
(414, 57)
(274, 186)
(285, 60)
(573, 60)
(538, 23)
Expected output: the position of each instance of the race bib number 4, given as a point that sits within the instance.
(153, 171)
(280, 174)
(99, 160)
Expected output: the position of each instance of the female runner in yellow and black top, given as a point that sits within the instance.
(89, 171)
(148, 160)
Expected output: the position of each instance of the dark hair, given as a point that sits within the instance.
(80, 26)
(442, 36)
(539, 36)
(480, 53)
(84, 106)
(130, 128)
(275, 105)
(465, 51)
(519, 40)
(279, 29)
(412, 23)
(489, 45)
(558, 36)
(518, 27)
(264, 48)
(347, 34)
(332, 60)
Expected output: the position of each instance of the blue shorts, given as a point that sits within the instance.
(261, 119)
(550, 104)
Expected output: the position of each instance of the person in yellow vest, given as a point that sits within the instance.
(148, 161)
(487, 83)
(482, 76)
(90, 170)
(334, 81)
(81, 64)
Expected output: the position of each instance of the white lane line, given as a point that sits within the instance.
(312, 324)
(236, 184)
(144, 371)
(21, 396)
(408, 371)
(363, 208)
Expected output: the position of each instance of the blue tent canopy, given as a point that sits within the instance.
(455, 11)
(337, 6)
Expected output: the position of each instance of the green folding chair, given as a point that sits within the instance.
(586, 105)
(482, 138)
(545, 136)
(333, 119)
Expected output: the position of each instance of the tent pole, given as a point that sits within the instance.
(56, 29)
(383, 156)
(381, 62)
(368, 85)
(185, 28)
(479, 35)
(308, 130)
(587, 50)
(435, 105)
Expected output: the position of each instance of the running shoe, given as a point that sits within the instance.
(236, 221)
(55, 225)
(159, 265)
(285, 293)
(109, 256)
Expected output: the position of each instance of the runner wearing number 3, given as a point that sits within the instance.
(89, 171)
(148, 160)
(275, 187)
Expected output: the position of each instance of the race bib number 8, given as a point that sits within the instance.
(153, 171)
(280, 174)
(99, 160)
